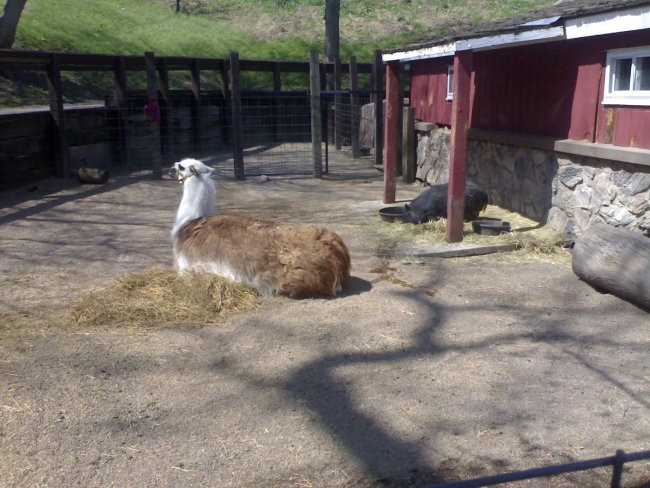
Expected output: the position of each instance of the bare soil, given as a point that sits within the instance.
(423, 371)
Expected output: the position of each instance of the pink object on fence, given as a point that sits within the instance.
(152, 109)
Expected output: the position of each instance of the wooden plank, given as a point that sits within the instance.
(457, 250)
(392, 130)
(316, 135)
(458, 150)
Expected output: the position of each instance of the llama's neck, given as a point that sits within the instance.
(198, 200)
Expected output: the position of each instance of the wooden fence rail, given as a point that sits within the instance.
(55, 145)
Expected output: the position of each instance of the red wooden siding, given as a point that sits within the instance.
(622, 125)
(536, 89)
(429, 90)
(551, 89)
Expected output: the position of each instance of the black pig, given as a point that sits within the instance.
(431, 204)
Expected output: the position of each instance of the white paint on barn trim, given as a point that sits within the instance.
(609, 23)
(437, 51)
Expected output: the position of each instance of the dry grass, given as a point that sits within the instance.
(533, 240)
(162, 297)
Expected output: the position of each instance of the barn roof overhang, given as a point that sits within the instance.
(570, 19)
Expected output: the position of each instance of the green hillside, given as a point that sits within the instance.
(257, 29)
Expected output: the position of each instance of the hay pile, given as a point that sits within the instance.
(530, 237)
(162, 297)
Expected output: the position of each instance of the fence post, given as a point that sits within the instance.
(153, 110)
(236, 114)
(165, 112)
(355, 116)
(392, 130)
(59, 135)
(316, 136)
(338, 116)
(196, 103)
(408, 145)
(275, 103)
(377, 86)
(122, 105)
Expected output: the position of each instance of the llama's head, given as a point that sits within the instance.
(188, 168)
(199, 191)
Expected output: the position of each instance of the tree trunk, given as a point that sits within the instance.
(9, 22)
(332, 13)
(615, 260)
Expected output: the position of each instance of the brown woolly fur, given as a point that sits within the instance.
(298, 260)
(162, 296)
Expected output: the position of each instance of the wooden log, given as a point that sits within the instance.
(615, 260)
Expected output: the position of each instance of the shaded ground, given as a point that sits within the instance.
(423, 371)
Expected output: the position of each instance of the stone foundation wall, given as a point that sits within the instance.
(564, 190)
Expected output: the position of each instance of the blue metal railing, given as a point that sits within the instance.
(617, 461)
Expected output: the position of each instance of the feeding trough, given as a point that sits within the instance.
(392, 214)
(490, 227)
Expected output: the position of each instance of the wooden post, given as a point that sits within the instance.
(338, 116)
(378, 88)
(355, 117)
(196, 103)
(408, 145)
(235, 104)
(225, 93)
(458, 152)
(316, 136)
(59, 135)
(165, 112)
(392, 130)
(152, 100)
(276, 104)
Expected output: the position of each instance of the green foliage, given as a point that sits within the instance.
(257, 29)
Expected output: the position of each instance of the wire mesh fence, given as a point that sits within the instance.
(350, 123)
(135, 113)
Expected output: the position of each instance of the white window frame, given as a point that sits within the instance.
(633, 96)
(450, 82)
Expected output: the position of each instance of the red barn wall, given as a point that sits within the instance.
(552, 89)
(429, 90)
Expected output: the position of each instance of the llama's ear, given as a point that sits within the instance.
(194, 171)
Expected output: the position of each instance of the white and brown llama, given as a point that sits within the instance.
(295, 260)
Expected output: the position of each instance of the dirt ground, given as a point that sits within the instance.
(425, 370)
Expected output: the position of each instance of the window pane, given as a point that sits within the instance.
(450, 81)
(643, 73)
(622, 73)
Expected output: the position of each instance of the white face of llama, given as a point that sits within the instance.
(187, 168)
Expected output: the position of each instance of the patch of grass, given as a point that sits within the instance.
(162, 297)
(257, 29)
